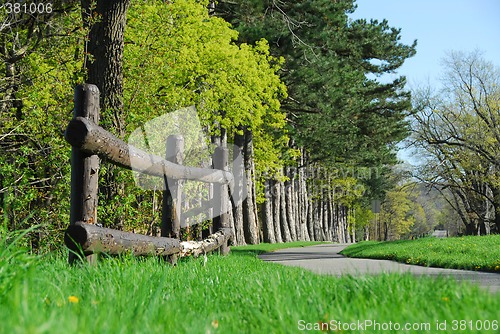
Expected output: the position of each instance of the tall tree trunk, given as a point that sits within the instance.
(267, 214)
(249, 217)
(343, 223)
(310, 219)
(333, 217)
(104, 48)
(326, 205)
(352, 226)
(290, 217)
(324, 217)
(240, 187)
(311, 213)
(105, 68)
(296, 208)
(255, 206)
(285, 230)
(303, 202)
(496, 225)
(496, 207)
(465, 211)
(276, 203)
(317, 219)
(346, 224)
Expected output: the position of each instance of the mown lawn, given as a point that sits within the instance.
(233, 294)
(480, 253)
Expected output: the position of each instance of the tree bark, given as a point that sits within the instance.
(296, 207)
(311, 226)
(496, 209)
(302, 202)
(267, 215)
(285, 230)
(276, 204)
(325, 215)
(240, 187)
(221, 195)
(332, 224)
(345, 224)
(290, 217)
(105, 66)
(90, 239)
(106, 22)
(249, 217)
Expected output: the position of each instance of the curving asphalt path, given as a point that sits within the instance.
(325, 259)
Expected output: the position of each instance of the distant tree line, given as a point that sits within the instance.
(457, 131)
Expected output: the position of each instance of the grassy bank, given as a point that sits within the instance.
(233, 294)
(480, 253)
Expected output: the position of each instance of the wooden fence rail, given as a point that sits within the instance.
(89, 142)
(92, 139)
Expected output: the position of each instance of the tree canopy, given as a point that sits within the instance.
(176, 55)
(337, 108)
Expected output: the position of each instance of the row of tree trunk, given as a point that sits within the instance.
(295, 207)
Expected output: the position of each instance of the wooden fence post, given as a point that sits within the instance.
(221, 191)
(84, 167)
(171, 206)
(171, 214)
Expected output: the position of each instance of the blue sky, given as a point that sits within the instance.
(439, 26)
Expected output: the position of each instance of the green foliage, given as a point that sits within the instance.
(471, 252)
(176, 55)
(395, 213)
(34, 157)
(361, 216)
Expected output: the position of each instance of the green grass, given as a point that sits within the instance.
(234, 294)
(480, 253)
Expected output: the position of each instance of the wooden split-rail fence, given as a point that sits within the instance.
(89, 143)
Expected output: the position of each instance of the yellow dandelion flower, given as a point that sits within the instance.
(445, 299)
(73, 299)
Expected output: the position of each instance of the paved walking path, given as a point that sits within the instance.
(325, 259)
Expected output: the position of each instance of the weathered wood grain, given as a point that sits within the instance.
(87, 239)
